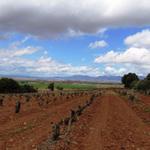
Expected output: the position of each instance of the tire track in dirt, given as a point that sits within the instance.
(110, 124)
(125, 130)
(94, 140)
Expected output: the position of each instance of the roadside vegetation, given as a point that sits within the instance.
(132, 81)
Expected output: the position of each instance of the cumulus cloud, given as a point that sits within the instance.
(109, 70)
(133, 60)
(131, 55)
(14, 63)
(98, 44)
(44, 66)
(48, 66)
(140, 39)
(136, 58)
(17, 49)
(52, 18)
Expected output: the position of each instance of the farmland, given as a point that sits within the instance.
(85, 120)
(74, 75)
(73, 85)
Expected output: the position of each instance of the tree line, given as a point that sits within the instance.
(132, 81)
(11, 86)
(8, 85)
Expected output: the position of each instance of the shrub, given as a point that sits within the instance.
(143, 85)
(27, 88)
(51, 86)
(127, 79)
(9, 86)
(59, 88)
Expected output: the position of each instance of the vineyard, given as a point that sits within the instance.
(105, 119)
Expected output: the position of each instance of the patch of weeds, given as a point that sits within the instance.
(147, 109)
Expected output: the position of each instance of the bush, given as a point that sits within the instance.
(9, 86)
(127, 79)
(143, 85)
(134, 84)
(51, 86)
(59, 88)
(27, 89)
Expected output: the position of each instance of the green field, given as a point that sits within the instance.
(72, 85)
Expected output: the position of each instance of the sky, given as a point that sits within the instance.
(48, 38)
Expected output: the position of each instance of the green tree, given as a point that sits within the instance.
(9, 85)
(51, 86)
(127, 79)
(143, 85)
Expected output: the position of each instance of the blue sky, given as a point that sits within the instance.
(38, 40)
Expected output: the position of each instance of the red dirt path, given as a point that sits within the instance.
(109, 124)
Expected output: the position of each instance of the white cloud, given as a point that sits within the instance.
(136, 58)
(16, 44)
(140, 39)
(44, 66)
(52, 18)
(114, 71)
(131, 55)
(25, 51)
(17, 49)
(10, 53)
(98, 44)
(133, 60)
(48, 66)
(14, 62)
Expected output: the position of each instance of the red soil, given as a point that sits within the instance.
(108, 124)
(141, 107)
(32, 125)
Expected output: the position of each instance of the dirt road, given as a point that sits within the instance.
(109, 124)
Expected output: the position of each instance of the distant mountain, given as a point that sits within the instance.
(109, 78)
(89, 78)
(71, 78)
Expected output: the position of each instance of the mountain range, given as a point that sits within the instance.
(69, 78)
